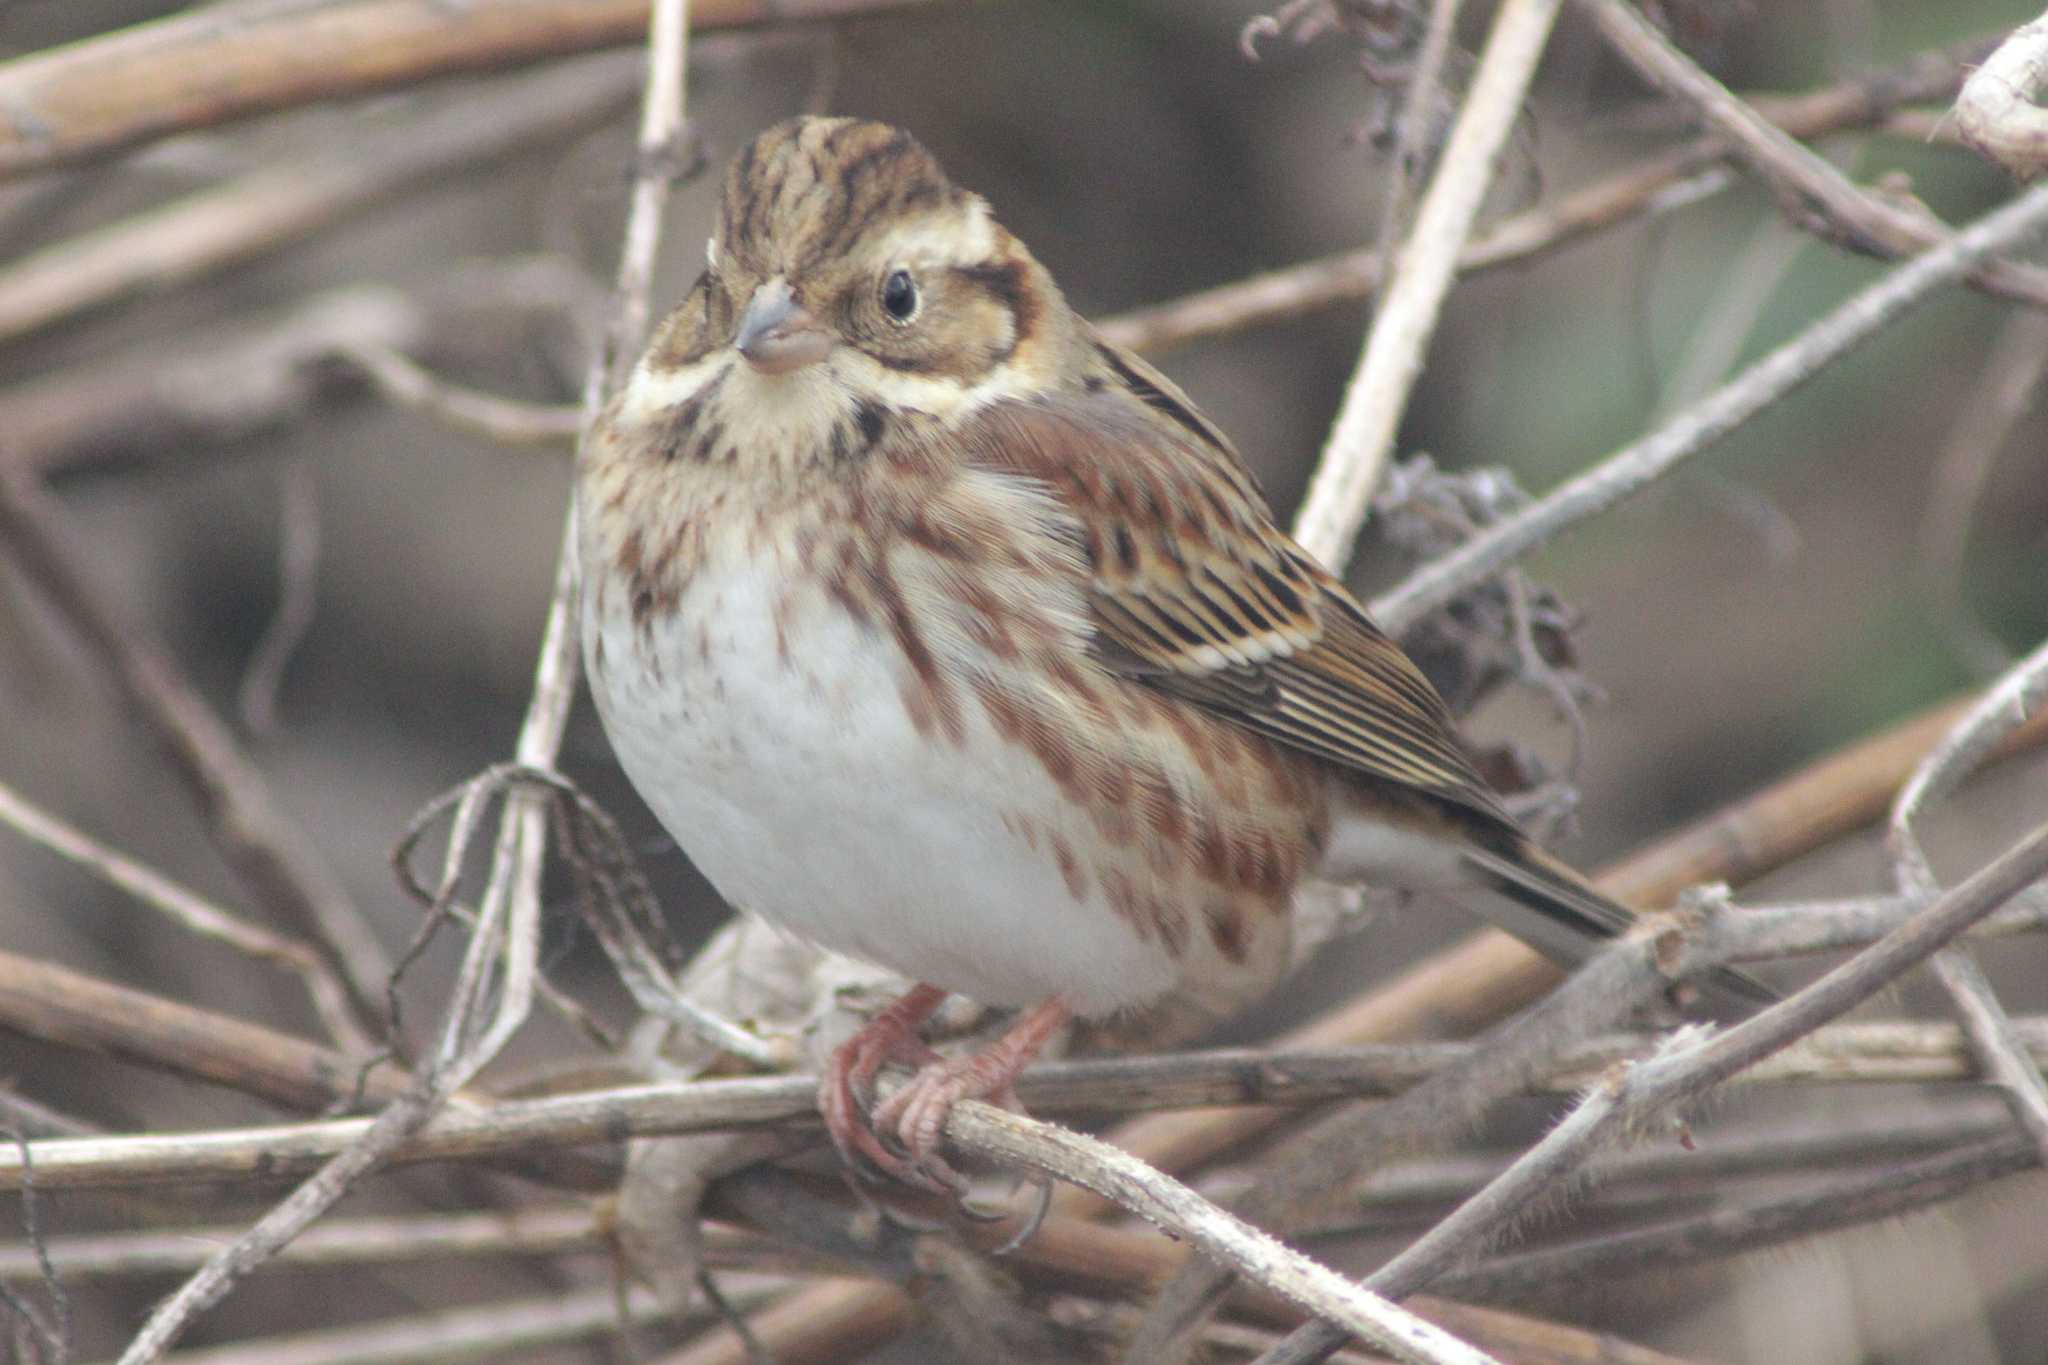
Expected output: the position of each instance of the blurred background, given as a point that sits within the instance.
(1831, 568)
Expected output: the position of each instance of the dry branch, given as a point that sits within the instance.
(1694, 1062)
(1181, 1213)
(1659, 184)
(187, 909)
(494, 988)
(1363, 433)
(175, 243)
(1767, 381)
(209, 66)
(1860, 1054)
(283, 869)
(1812, 193)
(1997, 714)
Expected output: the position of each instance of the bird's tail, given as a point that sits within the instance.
(1553, 909)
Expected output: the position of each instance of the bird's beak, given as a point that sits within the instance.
(776, 336)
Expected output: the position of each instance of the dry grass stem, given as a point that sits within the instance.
(1362, 435)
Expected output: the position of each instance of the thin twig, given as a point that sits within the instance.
(2001, 710)
(507, 421)
(1856, 1054)
(190, 911)
(1721, 412)
(1659, 184)
(1691, 1065)
(487, 1331)
(282, 867)
(1864, 1197)
(298, 576)
(1812, 193)
(1363, 433)
(494, 990)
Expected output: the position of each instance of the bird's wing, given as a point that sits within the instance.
(1197, 593)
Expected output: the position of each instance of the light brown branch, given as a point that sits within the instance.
(193, 237)
(205, 67)
(1997, 714)
(506, 420)
(292, 1072)
(1181, 1213)
(494, 989)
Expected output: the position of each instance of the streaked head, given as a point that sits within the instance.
(845, 259)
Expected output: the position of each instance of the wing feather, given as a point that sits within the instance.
(1196, 592)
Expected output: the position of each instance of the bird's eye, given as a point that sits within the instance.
(899, 296)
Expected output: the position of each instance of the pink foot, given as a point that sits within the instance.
(915, 1115)
(847, 1087)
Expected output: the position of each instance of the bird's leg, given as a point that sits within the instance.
(916, 1114)
(848, 1083)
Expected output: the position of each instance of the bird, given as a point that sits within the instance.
(942, 632)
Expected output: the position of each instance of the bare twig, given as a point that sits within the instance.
(1777, 374)
(298, 574)
(494, 990)
(1171, 1206)
(206, 67)
(1660, 183)
(360, 1241)
(2001, 710)
(189, 911)
(1859, 1054)
(1691, 1065)
(1294, 1183)
(1997, 111)
(506, 420)
(221, 390)
(282, 867)
(1112, 1261)
(480, 1332)
(1867, 1196)
(51, 1002)
(1812, 193)
(1406, 318)
(264, 210)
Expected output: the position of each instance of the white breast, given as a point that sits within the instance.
(766, 729)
